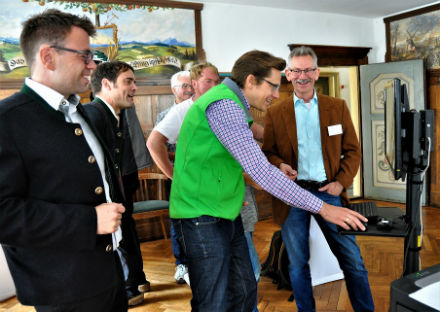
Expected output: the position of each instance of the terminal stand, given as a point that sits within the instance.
(416, 148)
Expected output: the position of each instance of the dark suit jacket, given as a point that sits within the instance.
(117, 139)
(49, 186)
(281, 146)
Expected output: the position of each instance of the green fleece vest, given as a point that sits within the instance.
(207, 180)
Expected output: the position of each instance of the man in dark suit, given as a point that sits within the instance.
(59, 226)
(311, 138)
(114, 86)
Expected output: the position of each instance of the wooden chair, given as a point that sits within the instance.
(146, 206)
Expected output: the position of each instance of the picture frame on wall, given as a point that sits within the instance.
(157, 38)
(328, 83)
(414, 35)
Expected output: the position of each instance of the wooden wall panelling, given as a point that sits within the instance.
(434, 103)
(338, 55)
(149, 102)
(6, 92)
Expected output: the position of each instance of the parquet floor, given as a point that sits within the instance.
(383, 258)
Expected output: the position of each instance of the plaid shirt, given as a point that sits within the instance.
(228, 122)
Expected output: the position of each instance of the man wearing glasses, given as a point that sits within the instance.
(215, 146)
(182, 90)
(310, 137)
(59, 226)
(204, 76)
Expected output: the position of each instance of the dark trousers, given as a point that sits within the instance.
(130, 252)
(112, 300)
(175, 245)
(219, 266)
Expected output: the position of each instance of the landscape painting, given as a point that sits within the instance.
(156, 41)
(415, 35)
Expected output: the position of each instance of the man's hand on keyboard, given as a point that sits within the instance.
(344, 217)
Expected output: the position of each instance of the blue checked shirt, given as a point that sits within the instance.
(228, 122)
(308, 129)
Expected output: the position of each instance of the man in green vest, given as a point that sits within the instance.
(215, 146)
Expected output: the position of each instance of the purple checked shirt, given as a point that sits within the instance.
(228, 121)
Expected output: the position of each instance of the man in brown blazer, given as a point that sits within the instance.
(311, 138)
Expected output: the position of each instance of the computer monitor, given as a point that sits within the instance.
(396, 104)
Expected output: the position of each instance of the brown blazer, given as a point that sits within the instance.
(341, 153)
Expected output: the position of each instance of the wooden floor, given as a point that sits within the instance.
(383, 258)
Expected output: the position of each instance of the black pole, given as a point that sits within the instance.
(413, 241)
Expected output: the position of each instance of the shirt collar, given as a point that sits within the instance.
(109, 107)
(52, 97)
(234, 87)
(297, 101)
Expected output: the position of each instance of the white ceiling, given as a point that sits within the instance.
(361, 8)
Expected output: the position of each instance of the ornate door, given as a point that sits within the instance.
(379, 182)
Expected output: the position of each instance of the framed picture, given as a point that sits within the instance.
(157, 38)
(415, 35)
(328, 83)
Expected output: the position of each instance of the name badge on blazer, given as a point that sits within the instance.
(334, 130)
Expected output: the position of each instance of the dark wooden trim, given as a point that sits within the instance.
(199, 43)
(11, 84)
(338, 55)
(388, 42)
(433, 73)
(159, 3)
(146, 90)
(412, 13)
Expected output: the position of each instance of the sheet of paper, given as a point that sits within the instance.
(428, 295)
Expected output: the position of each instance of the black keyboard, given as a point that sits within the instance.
(367, 209)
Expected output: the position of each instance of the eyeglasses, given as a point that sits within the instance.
(86, 55)
(274, 86)
(307, 71)
(184, 86)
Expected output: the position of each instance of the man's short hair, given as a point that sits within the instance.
(50, 27)
(256, 63)
(197, 69)
(175, 78)
(303, 51)
(108, 70)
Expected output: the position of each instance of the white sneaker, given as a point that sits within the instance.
(181, 270)
(186, 277)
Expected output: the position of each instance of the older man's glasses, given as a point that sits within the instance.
(86, 55)
(307, 71)
(185, 86)
(275, 87)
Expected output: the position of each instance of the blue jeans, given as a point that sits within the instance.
(295, 233)
(218, 263)
(255, 260)
(175, 246)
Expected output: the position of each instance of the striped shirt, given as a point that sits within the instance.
(228, 122)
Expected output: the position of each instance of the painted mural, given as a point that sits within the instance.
(156, 41)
